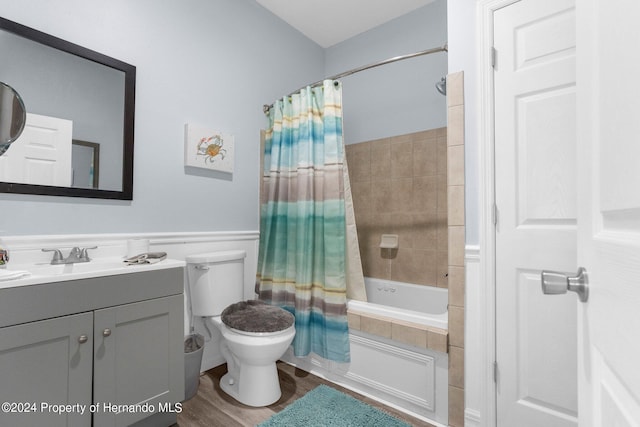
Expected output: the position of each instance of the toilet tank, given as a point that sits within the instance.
(216, 280)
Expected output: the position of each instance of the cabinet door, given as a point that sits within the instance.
(138, 359)
(43, 364)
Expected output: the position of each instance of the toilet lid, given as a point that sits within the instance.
(256, 316)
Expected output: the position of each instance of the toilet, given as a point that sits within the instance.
(254, 335)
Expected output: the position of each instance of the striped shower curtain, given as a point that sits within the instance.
(302, 262)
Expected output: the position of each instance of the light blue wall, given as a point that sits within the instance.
(397, 98)
(209, 62)
(215, 63)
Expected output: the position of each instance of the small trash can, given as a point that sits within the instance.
(193, 347)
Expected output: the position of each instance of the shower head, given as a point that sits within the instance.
(442, 86)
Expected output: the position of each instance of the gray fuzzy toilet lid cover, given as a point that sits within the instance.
(256, 316)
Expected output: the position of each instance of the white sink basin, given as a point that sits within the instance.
(43, 273)
(85, 267)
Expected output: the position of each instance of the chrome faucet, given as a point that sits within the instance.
(76, 255)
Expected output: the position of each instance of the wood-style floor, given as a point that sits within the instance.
(211, 407)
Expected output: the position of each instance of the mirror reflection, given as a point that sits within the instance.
(86, 164)
(12, 116)
(72, 94)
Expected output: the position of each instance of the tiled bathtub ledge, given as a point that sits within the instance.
(405, 332)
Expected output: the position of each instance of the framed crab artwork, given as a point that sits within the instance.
(208, 149)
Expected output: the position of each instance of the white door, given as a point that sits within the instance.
(608, 83)
(536, 200)
(42, 154)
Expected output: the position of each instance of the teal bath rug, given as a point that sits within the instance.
(327, 407)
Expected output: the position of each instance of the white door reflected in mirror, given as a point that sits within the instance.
(41, 155)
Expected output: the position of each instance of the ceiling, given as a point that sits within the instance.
(328, 22)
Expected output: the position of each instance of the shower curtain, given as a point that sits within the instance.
(302, 259)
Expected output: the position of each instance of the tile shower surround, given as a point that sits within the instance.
(456, 221)
(399, 186)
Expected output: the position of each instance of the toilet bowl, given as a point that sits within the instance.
(252, 376)
(254, 335)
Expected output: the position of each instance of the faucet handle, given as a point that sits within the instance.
(57, 255)
(84, 253)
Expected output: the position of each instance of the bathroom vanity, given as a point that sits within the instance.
(99, 344)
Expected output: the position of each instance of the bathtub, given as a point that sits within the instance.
(398, 343)
(423, 305)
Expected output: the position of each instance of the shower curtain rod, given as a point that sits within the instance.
(444, 48)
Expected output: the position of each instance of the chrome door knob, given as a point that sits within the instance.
(106, 332)
(555, 283)
(83, 339)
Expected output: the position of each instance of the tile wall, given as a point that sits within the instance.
(455, 198)
(398, 330)
(399, 186)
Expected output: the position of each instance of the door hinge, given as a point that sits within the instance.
(494, 56)
(495, 372)
(494, 215)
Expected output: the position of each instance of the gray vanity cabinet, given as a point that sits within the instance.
(135, 359)
(113, 341)
(45, 363)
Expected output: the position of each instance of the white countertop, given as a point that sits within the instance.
(99, 267)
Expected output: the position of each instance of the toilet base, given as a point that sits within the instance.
(253, 385)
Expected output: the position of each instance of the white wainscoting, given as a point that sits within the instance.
(475, 367)
(413, 380)
(415, 383)
(26, 249)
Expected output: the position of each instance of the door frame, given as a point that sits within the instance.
(486, 311)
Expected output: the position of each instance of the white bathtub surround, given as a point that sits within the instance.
(410, 314)
(407, 296)
(407, 378)
(410, 346)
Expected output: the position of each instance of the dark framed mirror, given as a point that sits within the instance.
(75, 94)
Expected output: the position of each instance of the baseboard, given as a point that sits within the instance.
(472, 418)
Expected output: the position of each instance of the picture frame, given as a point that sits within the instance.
(208, 149)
